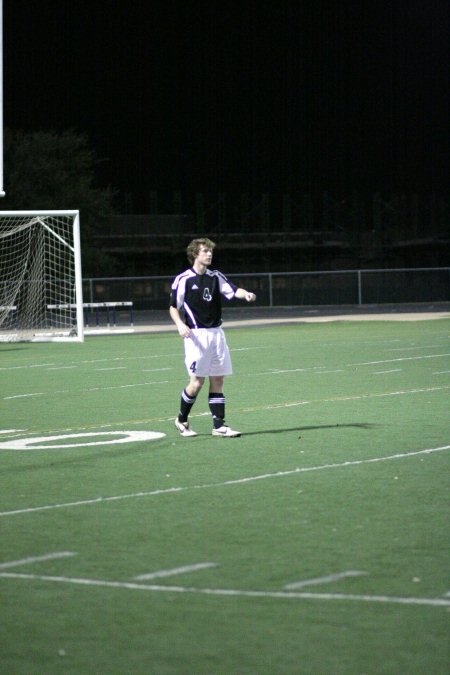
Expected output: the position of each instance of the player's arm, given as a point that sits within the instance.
(183, 330)
(242, 294)
(229, 290)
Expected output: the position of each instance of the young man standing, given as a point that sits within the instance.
(197, 293)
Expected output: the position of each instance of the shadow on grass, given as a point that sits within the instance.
(355, 425)
(12, 349)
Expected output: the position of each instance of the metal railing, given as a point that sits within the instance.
(339, 287)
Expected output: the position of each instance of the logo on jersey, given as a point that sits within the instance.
(207, 295)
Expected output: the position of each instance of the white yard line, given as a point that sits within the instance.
(281, 371)
(71, 391)
(330, 578)
(385, 372)
(76, 364)
(39, 558)
(403, 358)
(37, 393)
(336, 399)
(127, 386)
(175, 571)
(229, 592)
(236, 481)
(290, 370)
(31, 365)
(405, 349)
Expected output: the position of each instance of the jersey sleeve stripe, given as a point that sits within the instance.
(184, 275)
(188, 311)
(226, 287)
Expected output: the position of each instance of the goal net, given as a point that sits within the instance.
(40, 276)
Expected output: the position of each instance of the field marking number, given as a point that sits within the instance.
(42, 442)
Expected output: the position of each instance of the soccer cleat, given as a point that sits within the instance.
(183, 428)
(226, 432)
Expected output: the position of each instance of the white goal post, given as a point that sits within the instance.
(40, 276)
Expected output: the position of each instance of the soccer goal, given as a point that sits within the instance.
(40, 276)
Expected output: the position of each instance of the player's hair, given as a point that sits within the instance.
(195, 245)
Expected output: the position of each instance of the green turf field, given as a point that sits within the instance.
(316, 543)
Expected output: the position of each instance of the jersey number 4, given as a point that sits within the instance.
(193, 366)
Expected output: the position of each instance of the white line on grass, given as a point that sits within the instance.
(127, 386)
(441, 372)
(350, 365)
(384, 372)
(236, 481)
(290, 370)
(343, 398)
(39, 558)
(403, 358)
(31, 365)
(245, 349)
(125, 358)
(323, 580)
(404, 349)
(37, 393)
(71, 391)
(271, 372)
(230, 592)
(88, 361)
(175, 571)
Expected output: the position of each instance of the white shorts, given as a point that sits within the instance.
(206, 353)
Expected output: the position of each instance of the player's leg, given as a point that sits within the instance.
(196, 359)
(188, 397)
(216, 400)
(194, 385)
(220, 366)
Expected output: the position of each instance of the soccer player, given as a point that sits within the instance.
(196, 310)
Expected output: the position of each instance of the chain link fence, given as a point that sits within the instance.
(273, 289)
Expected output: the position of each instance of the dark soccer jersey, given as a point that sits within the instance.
(199, 296)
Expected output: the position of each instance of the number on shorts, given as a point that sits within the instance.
(193, 366)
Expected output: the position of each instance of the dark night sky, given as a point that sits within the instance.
(276, 96)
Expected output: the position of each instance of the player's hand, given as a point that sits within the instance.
(250, 297)
(184, 331)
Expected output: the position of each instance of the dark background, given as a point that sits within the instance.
(251, 96)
